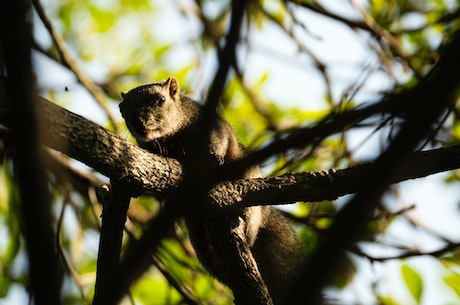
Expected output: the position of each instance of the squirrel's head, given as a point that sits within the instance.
(153, 111)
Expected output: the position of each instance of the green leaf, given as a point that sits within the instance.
(387, 300)
(453, 281)
(11, 211)
(413, 282)
(345, 274)
(103, 19)
(308, 238)
(152, 287)
(5, 284)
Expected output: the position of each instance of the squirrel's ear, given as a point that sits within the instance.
(172, 85)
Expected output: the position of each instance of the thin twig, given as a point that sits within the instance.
(435, 253)
(317, 8)
(322, 68)
(60, 248)
(73, 66)
(381, 32)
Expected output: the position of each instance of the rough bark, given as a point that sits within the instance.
(143, 171)
(106, 152)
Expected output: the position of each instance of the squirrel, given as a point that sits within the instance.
(163, 121)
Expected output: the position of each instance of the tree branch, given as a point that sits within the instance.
(331, 184)
(106, 152)
(69, 62)
(30, 195)
(115, 206)
(143, 171)
(434, 94)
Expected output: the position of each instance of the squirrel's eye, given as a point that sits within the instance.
(161, 100)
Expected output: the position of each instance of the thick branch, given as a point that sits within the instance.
(331, 184)
(105, 152)
(146, 172)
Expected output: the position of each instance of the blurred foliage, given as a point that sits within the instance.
(122, 44)
(413, 281)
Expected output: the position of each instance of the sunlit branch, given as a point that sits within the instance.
(108, 154)
(72, 64)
